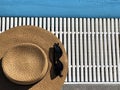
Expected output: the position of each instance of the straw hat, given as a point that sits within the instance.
(28, 60)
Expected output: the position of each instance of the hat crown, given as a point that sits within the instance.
(25, 63)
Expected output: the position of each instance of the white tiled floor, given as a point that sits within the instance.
(92, 45)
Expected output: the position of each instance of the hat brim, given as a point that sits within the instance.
(45, 40)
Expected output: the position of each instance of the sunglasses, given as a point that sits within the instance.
(58, 66)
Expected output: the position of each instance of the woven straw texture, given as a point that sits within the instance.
(25, 63)
(43, 39)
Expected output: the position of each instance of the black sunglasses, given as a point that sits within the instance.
(58, 66)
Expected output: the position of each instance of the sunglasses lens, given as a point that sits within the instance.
(58, 66)
(58, 51)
